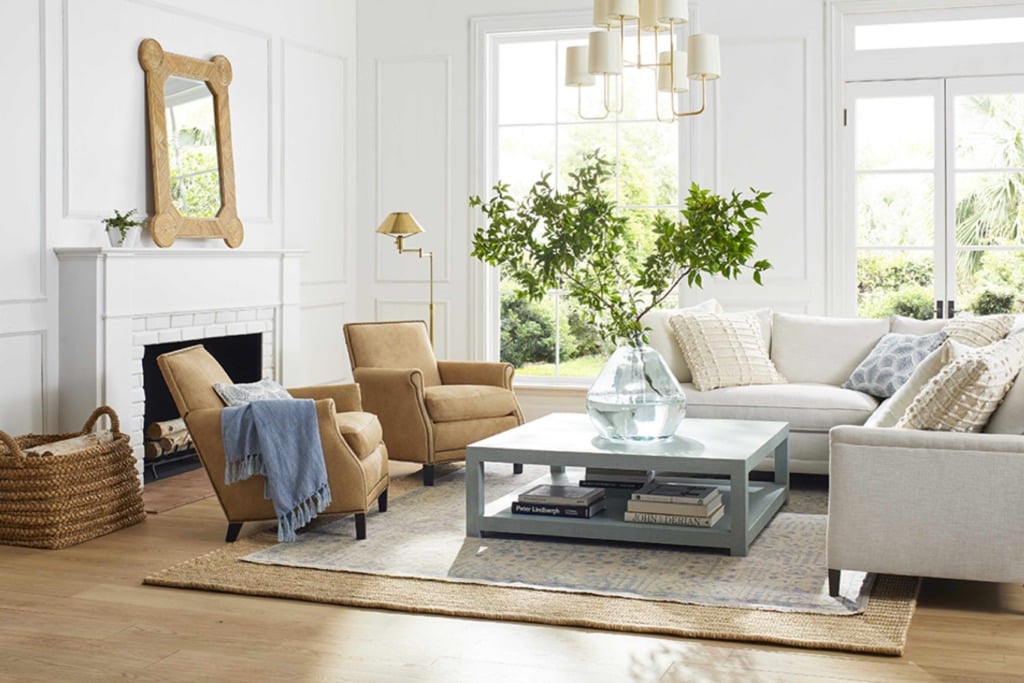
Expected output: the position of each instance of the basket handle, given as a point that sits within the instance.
(13, 447)
(115, 424)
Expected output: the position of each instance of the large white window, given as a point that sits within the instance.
(933, 167)
(535, 128)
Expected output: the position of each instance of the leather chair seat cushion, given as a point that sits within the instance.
(361, 431)
(449, 436)
(456, 402)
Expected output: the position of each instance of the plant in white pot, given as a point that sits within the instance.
(577, 242)
(122, 229)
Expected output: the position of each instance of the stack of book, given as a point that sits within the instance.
(556, 500)
(675, 503)
(607, 478)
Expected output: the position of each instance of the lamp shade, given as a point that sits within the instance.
(627, 9)
(605, 54)
(601, 18)
(649, 15)
(705, 61)
(400, 223)
(577, 64)
(665, 72)
(673, 11)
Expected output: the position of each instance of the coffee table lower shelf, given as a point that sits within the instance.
(764, 500)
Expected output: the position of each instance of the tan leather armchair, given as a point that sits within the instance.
(355, 455)
(430, 410)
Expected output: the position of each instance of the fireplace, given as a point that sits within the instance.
(115, 303)
(169, 451)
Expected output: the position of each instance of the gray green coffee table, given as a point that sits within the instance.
(730, 449)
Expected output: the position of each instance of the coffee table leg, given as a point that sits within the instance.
(557, 469)
(739, 503)
(474, 496)
(782, 465)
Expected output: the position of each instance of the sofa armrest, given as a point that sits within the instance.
(476, 372)
(347, 397)
(925, 503)
(395, 396)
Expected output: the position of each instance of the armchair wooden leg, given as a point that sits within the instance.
(360, 526)
(233, 529)
(382, 501)
(517, 468)
(428, 475)
(833, 582)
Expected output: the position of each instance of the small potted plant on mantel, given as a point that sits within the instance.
(577, 241)
(122, 229)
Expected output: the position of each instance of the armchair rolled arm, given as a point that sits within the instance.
(347, 397)
(476, 372)
(395, 396)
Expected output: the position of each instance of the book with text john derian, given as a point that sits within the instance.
(678, 520)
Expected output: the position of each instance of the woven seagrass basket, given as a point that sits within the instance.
(54, 501)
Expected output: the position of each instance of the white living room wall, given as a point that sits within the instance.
(76, 148)
(765, 129)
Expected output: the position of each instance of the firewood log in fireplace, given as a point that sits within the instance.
(158, 430)
(173, 442)
(176, 441)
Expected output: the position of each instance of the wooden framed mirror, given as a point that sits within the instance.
(190, 144)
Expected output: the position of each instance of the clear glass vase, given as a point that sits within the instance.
(636, 397)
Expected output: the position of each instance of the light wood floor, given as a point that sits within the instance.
(82, 614)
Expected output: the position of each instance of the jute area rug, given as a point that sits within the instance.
(417, 559)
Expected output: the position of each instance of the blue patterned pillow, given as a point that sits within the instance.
(891, 363)
(240, 394)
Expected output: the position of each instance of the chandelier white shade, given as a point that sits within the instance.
(603, 56)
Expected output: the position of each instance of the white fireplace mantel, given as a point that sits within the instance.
(111, 298)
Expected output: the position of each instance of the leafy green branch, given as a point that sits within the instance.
(576, 241)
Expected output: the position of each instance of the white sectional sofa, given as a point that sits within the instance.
(901, 501)
(816, 354)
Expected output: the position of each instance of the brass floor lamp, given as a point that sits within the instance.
(402, 224)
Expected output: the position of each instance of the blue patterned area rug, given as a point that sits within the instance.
(417, 558)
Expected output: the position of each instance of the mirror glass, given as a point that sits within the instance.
(192, 147)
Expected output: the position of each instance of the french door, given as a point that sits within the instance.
(935, 194)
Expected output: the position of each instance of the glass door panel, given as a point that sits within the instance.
(897, 189)
(986, 217)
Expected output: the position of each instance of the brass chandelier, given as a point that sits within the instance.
(603, 56)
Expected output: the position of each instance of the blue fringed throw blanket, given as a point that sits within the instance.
(281, 441)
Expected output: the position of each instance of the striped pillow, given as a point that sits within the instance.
(724, 349)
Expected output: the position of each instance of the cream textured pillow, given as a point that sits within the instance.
(962, 396)
(979, 331)
(724, 349)
(663, 341)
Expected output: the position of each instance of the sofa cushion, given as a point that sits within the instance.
(820, 349)
(661, 339)
(891, 362)
(806, 407)
(724, 349)
(966, 392)
(901, 324)
(453, 402)
(361, 431)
